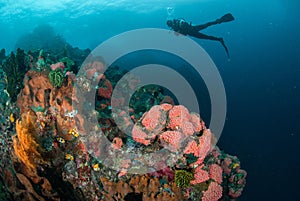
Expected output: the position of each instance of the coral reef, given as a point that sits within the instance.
(140, 188)
(54, 45)
(26, 144)
(56, 77)
(42, 37)
(2, 55)
(183, 178)
(15, 66)
(7, 130)
(55, 153)
(4, 96)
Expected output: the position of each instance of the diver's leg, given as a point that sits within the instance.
(225, 47)
(204, 36)
(225, 18)
(204, 26)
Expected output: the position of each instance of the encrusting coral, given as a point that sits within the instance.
(25, 143)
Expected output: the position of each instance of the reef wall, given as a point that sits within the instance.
(51, 152)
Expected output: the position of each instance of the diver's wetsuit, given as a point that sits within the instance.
(185, 28)
(181, 26)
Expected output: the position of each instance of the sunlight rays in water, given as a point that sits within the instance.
(15, 10)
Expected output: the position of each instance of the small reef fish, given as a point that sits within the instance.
(61, 140)
(96, 167)
(235, 165)
(73, 132)
(69, 157)
(12, 118)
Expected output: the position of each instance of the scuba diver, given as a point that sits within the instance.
(185, 28)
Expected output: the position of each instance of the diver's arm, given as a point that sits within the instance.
(176, 25)
(181, 27)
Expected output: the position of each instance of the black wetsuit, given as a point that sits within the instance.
(185, 28)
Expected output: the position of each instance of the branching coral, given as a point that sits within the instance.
(25, 143)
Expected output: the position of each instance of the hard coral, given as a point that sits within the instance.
(155, 119)
(177, 116)
(172, 125)
(213, 193)
(200, 176)
(215, 173)
(202, 149)
(171, 139)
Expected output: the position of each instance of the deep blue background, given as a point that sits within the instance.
(261, 80)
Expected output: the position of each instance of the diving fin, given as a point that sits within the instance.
(226, 18)
(225, 47)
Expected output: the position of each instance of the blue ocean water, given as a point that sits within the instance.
(261, 80)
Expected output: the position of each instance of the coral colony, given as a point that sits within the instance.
(49, 152)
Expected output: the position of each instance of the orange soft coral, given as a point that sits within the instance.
(25, 143)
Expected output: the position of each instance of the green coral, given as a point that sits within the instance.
(15, 66)
(183, 178)
(68, 63)
(56, 78)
